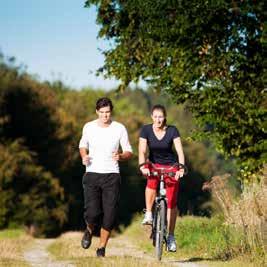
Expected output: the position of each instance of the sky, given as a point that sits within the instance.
(54, 39)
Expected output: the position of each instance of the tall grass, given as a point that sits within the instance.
(207, 238)
(247, 214)
(208, 241)
(12, 245)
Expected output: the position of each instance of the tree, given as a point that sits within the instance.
(32, 153)
(29, 195)
(207, 54)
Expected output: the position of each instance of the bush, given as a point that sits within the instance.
(29, 195)
(247, 214)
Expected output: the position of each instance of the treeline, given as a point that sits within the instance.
(40, 168)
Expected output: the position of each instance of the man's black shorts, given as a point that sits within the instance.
(101, 197)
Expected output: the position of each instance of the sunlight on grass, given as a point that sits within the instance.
(140, 234)
(12, 244)
(201, 241)
(119, 262)
(67, 247)
(11, 233)
(206, 237)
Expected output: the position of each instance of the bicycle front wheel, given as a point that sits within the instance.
(160, 228)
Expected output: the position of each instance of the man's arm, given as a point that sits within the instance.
(84, 155)
(83, 152)
(124, 155)
(126, 147)
(83, 145)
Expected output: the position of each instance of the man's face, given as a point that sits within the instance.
(104, 114)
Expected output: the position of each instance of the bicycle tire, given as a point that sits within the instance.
(160, 228)
(154, 226)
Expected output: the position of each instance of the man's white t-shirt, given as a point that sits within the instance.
(101, 143)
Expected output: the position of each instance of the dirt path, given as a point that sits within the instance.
(119, 246)
(38, 256)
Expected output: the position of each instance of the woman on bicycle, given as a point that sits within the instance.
(159, 139)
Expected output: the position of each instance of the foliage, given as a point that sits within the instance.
(208, 54)
(29, 195)
(32, 150)
(41, 124)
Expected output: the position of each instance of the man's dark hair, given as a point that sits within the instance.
(104, 102)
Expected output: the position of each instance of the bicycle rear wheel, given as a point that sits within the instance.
(160, 228)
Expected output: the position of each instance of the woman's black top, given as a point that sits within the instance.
(160, 151)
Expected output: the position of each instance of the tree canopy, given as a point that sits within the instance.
(40, 166)
(207, 54)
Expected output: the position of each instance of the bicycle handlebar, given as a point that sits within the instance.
(167, 170)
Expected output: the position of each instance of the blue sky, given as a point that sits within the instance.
(55, 39)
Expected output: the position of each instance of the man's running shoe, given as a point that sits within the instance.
(171, 244)
(100, 252)
(87, 239)
(148, 219)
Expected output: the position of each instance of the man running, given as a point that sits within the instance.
(99, 150)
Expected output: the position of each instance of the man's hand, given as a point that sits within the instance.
(121, 156)
(86, 160)
(116, 156)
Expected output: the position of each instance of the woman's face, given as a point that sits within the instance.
(158, 118)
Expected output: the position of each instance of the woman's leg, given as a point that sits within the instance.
(171, 217)
(150, 195)
(172, 192)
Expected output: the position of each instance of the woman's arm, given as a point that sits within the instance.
(179, 149)
(142, 150)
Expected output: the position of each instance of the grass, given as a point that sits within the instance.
(140, 234)
(12, 245)
(11, 234)
(247, 214)
(67, 247)
(207, 242)
(202, 240)
(117, 262)
(208, 238)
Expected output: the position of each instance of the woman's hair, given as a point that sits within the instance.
(104, 102)
(162, 109)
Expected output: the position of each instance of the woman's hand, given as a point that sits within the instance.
(145, 171)
(179, 174)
